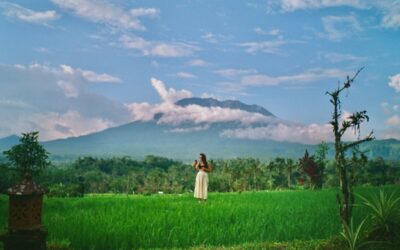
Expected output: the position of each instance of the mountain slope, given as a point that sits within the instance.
(231, 104)
(7, 142)
(138, 139)
(185, 140)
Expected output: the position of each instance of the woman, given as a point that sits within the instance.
(200, 190)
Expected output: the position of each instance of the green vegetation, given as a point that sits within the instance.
(384, 216)
(155, 174)
(29, 156)
(133, 221)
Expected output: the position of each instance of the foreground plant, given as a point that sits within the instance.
(384, 212)
(353, 235)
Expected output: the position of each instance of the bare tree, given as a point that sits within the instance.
(346, 197)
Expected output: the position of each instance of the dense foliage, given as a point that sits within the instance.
(157, 174)
(29, 156)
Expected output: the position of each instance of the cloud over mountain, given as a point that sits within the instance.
(252, 125)
(56, 101)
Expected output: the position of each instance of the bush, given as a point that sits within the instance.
(384, 214)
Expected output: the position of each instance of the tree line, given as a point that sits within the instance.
(158, 174)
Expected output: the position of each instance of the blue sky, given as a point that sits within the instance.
(71, 67)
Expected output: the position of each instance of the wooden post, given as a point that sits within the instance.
(25, 230)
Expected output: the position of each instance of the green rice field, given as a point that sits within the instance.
(177, 221)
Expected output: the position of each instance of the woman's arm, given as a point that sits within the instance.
(195, 165)
(209, 168)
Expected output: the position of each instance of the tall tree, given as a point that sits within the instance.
(308, 165)
(289, 170)
(345, 197)
(320, 157)
(28, 157)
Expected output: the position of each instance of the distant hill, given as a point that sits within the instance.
(7, 142)
(138, 139)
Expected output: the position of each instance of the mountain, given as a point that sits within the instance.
(231, 104)
(139, 139)
(186, 140)
(7, 142)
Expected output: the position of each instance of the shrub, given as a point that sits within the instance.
(384, 213)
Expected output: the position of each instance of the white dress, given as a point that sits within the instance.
(200, 189)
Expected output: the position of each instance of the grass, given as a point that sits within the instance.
(178, 221)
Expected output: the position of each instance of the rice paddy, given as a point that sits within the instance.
(178, 221)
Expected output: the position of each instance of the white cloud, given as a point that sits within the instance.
(258, 80)
(293, 5)
(54, 125)
(394, 82)
(198, 63)
(107, 13)
(6, 103)
(284, 131)
(389, 9)
(271, 47)
(307, 76)
(89, 75)
(214, 38)
(338, 57)
(169, 95)
(395, 107)
(232, 73)
(393, 121)
(252, 125)
(54, 98)
(143, 111)
(208, 95)
(176, 115)
(186, 75)
(155, 48)
(95, 77)
(19, 66)
(272, 32)
(259, 31)
(210, 37)
(68, 88)
(336, 28)
(27, 15)
(233, 87)
(391, 19)
(190, 129)
(346, 115)
(122, 20)
(150, 12)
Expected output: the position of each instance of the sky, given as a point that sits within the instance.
(73, 67)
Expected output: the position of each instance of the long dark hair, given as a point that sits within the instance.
(204, 160)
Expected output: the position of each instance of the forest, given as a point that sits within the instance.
(156, 175)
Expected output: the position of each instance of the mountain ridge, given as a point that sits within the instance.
(186, 140)
(232, 104)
